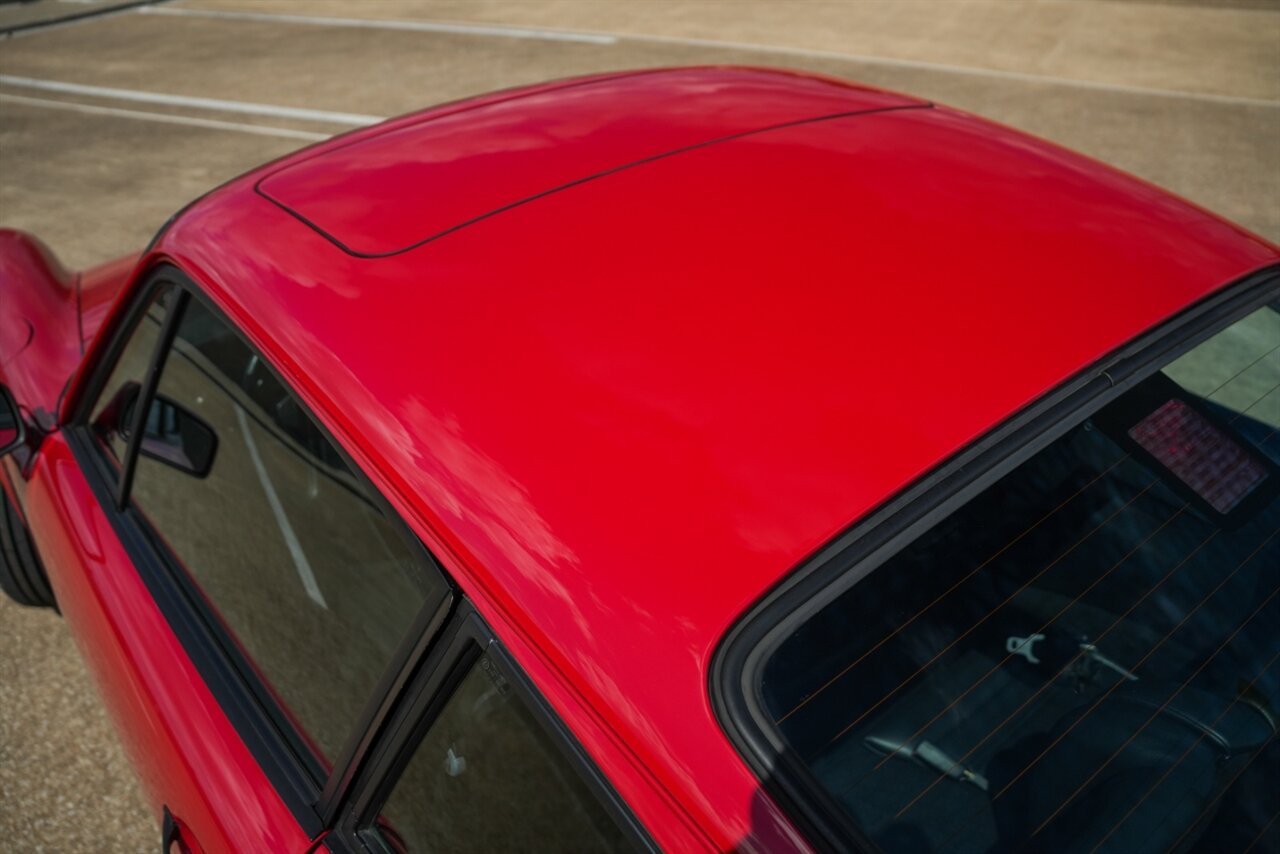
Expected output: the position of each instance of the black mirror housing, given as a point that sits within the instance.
(171, 433)
(177, 437)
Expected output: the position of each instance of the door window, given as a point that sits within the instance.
(285, 546)
(259, 529)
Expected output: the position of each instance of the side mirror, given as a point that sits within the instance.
(171, 434)
(12, 431)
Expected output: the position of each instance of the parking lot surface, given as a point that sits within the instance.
(111, 122)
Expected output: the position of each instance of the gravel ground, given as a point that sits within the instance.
(64, 783)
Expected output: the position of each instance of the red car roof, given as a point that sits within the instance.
(622, 411)
(425, 178)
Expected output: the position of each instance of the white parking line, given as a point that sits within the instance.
(161, 117)
(393, 24)
(73, 19)
(594, 37)
(277, 509)
(246, 107)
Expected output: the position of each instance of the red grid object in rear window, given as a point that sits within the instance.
(1202, 456)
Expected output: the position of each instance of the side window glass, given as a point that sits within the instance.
(115, 402)
(301, 568)
(487, 777)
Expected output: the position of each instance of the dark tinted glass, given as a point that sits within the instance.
(488, 778)
(300, 566)
(1084, 657)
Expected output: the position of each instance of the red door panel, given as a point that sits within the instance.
(187, 754)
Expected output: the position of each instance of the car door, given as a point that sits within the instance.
(243, 598)
(285, 662)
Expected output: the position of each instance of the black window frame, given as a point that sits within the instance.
(737, 666)
(310, 793)
(466, 638)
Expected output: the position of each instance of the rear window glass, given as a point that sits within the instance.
(1085, 656)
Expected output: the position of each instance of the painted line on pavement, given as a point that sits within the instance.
(161, 117)
(393, 24)
(615, 37)
(246, 107)
(89, 14)
(277, 509)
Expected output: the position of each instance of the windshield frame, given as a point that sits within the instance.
(738, 665)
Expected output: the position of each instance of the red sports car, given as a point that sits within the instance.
(690, 459)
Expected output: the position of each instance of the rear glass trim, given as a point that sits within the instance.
(738, 664)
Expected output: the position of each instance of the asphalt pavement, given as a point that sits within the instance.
(112, 116)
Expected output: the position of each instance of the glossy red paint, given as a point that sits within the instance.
(621, 411)
(100, 287)
(427, 178)
(40, 326)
